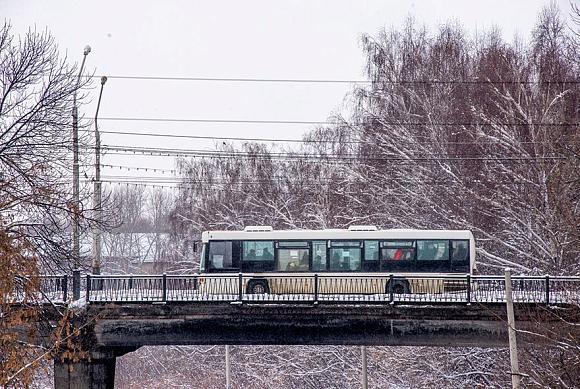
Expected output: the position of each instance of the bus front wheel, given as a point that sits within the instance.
(258, 287)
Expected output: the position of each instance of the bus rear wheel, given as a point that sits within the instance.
(258, 287)
(399, 287)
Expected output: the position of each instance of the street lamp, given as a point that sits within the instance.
(97, 191)
(76, 205)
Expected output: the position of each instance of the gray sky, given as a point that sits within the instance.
(291, 39)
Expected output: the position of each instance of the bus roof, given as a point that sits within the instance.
(342, 234)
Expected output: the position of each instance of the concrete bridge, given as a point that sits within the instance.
(124, 314)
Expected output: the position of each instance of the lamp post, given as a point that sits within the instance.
(97, 190)
(76, 205)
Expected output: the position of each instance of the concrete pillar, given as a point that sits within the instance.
(96, 373)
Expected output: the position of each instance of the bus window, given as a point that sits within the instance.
(345, 256)
(220, 255)
(293, 259)
(460, 256)
(259, 250)
(319, 255)
(433, 250)
(371, 250)
(460, 250)
(293, 256)
(398, 243)
(293, 244)
(202, 258)
(400, 254)
(398, 250)
(371, 257)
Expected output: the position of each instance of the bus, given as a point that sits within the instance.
(268, 258)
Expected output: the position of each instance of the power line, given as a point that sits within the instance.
(331, 157)
(207, 137)
(233, 79)
(281, 180)
(337, 81)
(314, 122)
(243, 191)
(274, 177)
(336, 186)
(278, 140)
(139, 168)
(234, 121)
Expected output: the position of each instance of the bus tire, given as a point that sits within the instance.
(258, 287)
(399, 287)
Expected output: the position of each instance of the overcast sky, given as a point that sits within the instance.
(310, 39)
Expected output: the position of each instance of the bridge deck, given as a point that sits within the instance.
(132, 311)
(137, 324)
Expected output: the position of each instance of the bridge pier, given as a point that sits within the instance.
(95, 372)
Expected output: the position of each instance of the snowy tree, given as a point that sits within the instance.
(452, 133)
(475, 136)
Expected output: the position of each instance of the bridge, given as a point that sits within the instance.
(127, 312)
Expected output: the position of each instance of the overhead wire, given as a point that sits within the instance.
(233, 121)
(307, 141)
(177, 176)
(221, 154)
(207, 137)
(240, 79)
(261, 186)
(298, 183)
(139, 168)
(334, 81)
(327, 122)
(125, 150)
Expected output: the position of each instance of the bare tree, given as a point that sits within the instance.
(35, 142)
(480, 136)
(452, 132)
(123, 245)
(36, 100)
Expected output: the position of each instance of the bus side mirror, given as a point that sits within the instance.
(195, 247)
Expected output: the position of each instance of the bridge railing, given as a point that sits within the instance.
(328, 289)
(56, 288)
(562, 290)
(540, 289)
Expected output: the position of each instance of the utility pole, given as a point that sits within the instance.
(364, 367)
(228, 369)
(76, 199)
(515, 368)
(97, 190)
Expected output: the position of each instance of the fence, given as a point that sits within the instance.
(314, 288)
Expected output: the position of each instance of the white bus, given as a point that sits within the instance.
(268, 258)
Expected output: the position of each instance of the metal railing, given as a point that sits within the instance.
(314, 288)
(55, 288)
